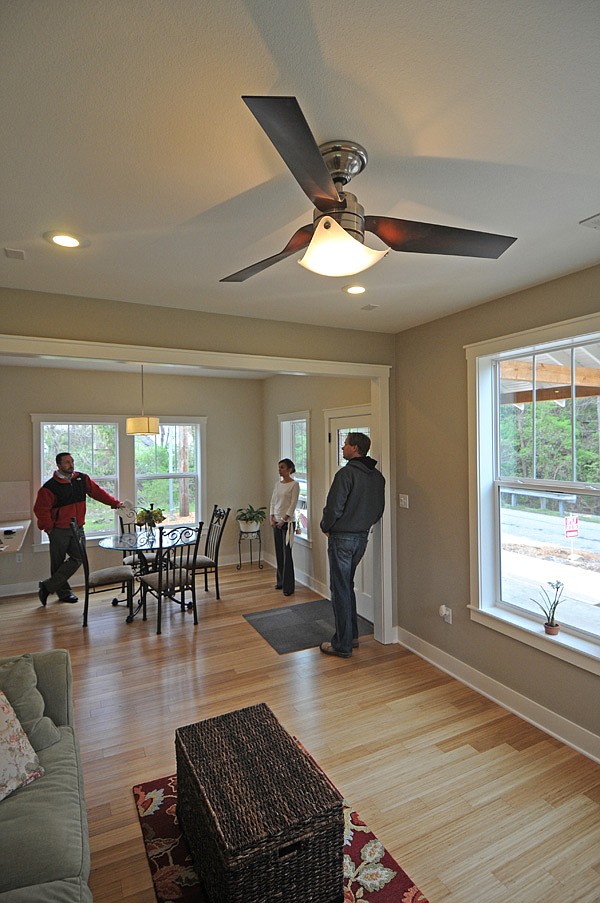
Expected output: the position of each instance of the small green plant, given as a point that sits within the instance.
(549, 603)
(149, 517)
(251, 515)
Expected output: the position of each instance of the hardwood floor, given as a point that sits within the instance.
(475, 804)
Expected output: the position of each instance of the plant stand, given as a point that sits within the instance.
(251, 536)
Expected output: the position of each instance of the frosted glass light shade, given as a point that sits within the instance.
(333, 252)
(142, 426)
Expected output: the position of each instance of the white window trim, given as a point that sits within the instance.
(577, 650)
(287, 418)
(125, 458)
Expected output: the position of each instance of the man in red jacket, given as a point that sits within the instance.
(60, 499)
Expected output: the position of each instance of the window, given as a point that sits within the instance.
(293, 443)
(94, 447)
(167, 472)
(535, 498)
(162, 470)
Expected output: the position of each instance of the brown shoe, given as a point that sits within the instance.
(328, 649)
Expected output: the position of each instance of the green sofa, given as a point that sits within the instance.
(45, 848)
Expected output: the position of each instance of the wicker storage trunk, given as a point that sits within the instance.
(263, 823)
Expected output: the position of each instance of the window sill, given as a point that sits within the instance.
(575, 650)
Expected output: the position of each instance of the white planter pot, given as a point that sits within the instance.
(248, 526)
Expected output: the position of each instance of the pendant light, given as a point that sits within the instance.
(142, 426)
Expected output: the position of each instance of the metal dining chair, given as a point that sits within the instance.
(176, 567)
(209, 562)
(104, 578)
(138, 561)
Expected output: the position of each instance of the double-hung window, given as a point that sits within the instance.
(166, 470)
(535, 488)
(294, 444)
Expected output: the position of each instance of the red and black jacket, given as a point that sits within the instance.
(59, 501)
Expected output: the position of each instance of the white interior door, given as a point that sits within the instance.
(356, 420)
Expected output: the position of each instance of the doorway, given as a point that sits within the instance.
(339, 423)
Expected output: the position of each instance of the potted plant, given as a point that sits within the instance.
(250, 518)
(549, 604)
(149, 517)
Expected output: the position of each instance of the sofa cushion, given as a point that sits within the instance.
(44, 826)
(19, 764)
(18, 681)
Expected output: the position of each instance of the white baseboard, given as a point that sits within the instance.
(560, 728)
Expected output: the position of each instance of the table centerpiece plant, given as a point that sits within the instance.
(549, 604)
(149, 517)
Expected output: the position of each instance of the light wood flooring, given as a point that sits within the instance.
(475, 804)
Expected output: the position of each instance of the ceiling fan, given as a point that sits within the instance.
(323, 170)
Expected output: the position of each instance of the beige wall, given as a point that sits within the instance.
(57, 316)
(233, 408)
(433, 534)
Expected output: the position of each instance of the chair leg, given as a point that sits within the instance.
(86, 603)
(194, 606)
(129, 617)
(159, 613)
(206, 580)
(217, 582)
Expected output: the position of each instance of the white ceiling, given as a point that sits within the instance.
(123, 121)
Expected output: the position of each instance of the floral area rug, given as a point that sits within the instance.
(371, 875)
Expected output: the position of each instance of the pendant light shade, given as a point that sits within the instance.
(142, 425)
(333, 252)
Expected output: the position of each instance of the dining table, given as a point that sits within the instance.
(141, 543)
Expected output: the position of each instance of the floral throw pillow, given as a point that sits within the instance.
(19, 764)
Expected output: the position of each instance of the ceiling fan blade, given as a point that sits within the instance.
(284, 122)
(299, 240)
(429, 238)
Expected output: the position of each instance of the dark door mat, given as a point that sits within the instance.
(301, 626)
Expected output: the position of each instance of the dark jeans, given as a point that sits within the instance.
(345, 551)
(64, 560)
(285, 564)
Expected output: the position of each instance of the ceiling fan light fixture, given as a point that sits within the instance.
(333, 252)
(354, 289)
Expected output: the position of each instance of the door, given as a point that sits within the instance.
(356, 420)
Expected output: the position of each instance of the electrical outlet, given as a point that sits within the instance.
(19, 557)
(403, 501)
(447, 615)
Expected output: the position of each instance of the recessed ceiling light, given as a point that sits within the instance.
(65, 240)
(354, 289)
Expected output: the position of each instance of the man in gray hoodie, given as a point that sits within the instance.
(354, 503)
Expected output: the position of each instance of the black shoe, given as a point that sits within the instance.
(291, 593)
(278, 586)
(43, 593)
(355, 644)
(70, 598)
(328, 649)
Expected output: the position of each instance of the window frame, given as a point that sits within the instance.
(286, 451)
(126, 477)
(580, 650)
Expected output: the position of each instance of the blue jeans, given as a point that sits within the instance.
(345, 551)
